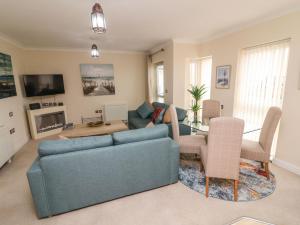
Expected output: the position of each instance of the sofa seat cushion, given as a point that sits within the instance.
(124, 137)
(139, 122)
(53, 147)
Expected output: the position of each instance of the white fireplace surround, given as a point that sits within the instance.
(54, 128)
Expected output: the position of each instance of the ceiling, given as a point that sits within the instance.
(132, 25)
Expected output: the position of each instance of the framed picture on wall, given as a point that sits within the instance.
(7, 81)
(97, 79)
(223, 77)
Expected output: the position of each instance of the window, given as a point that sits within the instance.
(160, 87)
(260, 83)
(199, 73)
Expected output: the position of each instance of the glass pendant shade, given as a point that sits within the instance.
(94, 51)
(98, 20)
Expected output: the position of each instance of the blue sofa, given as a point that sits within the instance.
(76, 173)
(136, 122)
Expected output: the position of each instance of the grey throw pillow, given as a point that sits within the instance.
(145, 110)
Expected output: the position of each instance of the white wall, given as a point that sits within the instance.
(14, 104)
(225, 50)
(130, 80)
(167, 58)
(182, 53)
(129, 71)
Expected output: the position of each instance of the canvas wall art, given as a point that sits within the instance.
(97, 79)
(7, 81)
(223, 77)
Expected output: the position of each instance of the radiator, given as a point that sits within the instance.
(113, 112)
(6, 145)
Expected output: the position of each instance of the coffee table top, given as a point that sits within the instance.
(82, 130)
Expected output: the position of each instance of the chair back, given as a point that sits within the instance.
(224, 147)
(174, 121)
(211, 109)
(269, 127)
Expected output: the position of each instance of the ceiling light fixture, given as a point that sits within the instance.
(98, 20)
(94, 51)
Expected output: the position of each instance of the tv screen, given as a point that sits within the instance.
(41, 85)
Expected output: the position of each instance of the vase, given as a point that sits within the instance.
(195, 117)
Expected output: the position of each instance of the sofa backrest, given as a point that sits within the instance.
(53, 147)
(181, 113)
(82, 178)
(124, 137)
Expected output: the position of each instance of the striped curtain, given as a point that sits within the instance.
(260, 82)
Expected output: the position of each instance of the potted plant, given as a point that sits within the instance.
(197, 93)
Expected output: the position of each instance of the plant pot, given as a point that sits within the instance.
(195, 117)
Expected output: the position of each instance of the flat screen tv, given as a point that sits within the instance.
(42, 85)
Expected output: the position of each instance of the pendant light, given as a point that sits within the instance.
(98, 20)
(94, 51)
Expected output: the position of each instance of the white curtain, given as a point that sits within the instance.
(150, 81)
(260, 82)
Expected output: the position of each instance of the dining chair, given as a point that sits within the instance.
(261, 150)
(221, 156)
(211, 109)
(187, 143)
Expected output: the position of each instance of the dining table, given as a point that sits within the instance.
(203, 127)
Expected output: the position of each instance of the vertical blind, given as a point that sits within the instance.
(260, 82)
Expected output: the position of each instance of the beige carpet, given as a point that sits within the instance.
(175, 204)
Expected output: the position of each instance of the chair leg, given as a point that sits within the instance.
(207, 187)
(262, 165)
(236, 184)
(267, 169)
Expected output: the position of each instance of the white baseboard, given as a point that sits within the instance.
(286, 165)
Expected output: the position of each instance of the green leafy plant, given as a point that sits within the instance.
(197, 93)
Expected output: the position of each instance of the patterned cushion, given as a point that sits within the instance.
(145, 110)
(157, 115)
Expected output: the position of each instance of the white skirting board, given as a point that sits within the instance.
(286, 165)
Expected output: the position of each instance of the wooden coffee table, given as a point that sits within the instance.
(82, 130)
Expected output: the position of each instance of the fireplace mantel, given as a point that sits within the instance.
(46, 121)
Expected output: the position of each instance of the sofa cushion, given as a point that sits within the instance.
(123, 137)
(145, 110)
(157, 115)
(160, 105)
(52, 147)
(181, 113)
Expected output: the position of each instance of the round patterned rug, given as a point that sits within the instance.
(253, 184)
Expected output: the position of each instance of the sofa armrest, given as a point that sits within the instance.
(174, 162)
(38, 190)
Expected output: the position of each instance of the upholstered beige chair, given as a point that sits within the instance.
(221, 156)
(260, 151)
(187, 143)
(211, 109)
